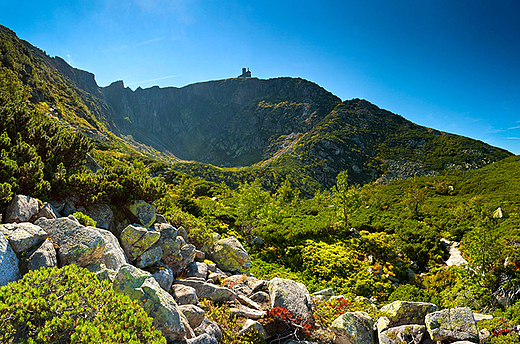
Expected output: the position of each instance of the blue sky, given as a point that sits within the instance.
(450, 65)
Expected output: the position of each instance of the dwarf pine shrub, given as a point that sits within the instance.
(70, 305)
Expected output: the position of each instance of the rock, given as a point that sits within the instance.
(103, 215)
(92, 165)
(481, 317)
(404, 313)
(243, 311)
(262, 299)
(410, 334)
(230, 255)
(176, 253)
(202, 339)
(78, 244)
(200, 255)
(209, 327)
(196, 269)
(291, 295)
(248, 302)
(353, 328)
(217, 275)
(209, 291)
(144, 212)
(22, 236)
(323, 295)
(149, 257)
(113, 256)
(9, 270)
(250, 326)
(164, 276)
(140, 286)
(194, 314)
(58, 205)
(452, 324)
(102, 272)
(44, 256)
(21, 209)
(48, 211)
(160, 219)
(184, 294)
(181, 231)
(136, 239)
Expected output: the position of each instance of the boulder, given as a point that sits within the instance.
(410, 334)
(22, 209)
(184, 294)
(251, 326)
(176, 253)
(103, 215)
(353, 328)
(113, 256)
(323, 295)
(209, 291)
(194, 314)
(23, 236)
(77, 244)
(48, 211)
(291, 295)
(9, 270)
(246, 312)
(102, 272)
(209, 327)
(404, 313)
(44, 256)
(196, 269)
(164, 276)
(262, 299)
(149, 257)
(452, 325)
(230, 255)
(202, 339)
(136, 239)
(139, 285)
(160, 219)
(144, 212)
(244, 300)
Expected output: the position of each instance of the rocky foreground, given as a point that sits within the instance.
(141, 255)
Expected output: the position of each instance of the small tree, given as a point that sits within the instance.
(347, 199)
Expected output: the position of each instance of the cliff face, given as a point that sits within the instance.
(226, 122)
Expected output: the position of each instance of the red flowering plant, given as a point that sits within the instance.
(282, 324)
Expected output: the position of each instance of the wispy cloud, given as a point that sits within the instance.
(151, 80)
(512, 138)
(149, 41)
(513, 128)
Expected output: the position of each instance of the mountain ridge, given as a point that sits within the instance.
(286, 126)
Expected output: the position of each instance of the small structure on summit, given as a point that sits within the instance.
(245, 73)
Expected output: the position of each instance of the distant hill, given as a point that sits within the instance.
(273, 129)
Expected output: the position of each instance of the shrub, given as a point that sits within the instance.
(85, 220)
(70, 305)
(285, 325)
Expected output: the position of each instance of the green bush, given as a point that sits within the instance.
(85, 220)
(70, 305)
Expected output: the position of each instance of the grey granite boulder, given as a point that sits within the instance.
(353, 328)
(246, 312)
(144, 212)
(209, 291)
(77, 244)
(230, 255)
(22, 209)
(452, 324)
(404, 313)
(9, 270)
(149, 257)
(23, 236)
(103, 215)
(209, 327)
(45, 256)
(163, 275)
(136, 239)
(184, 294)
(252, 326)
(141, 286)
(202, 339)
(48, 211)
(177, 254)
(410, 334)
(113, 256)
(291, 295)
(196, 269)
(193, 313)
